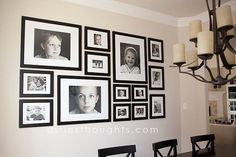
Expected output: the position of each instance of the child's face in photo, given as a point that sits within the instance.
(87, 98)
(52, 47)
(130, 58)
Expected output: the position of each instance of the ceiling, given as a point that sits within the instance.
(175, 8)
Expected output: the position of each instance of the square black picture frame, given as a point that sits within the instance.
(36, 83)
(135, 70)
(64, 39)
(156, 78)
(156, 50)
(97, 39)
(157, 106)
(35, 112)
(121, 93)
(74, 90)
(97, 64)
(139, 111)
(121, 112)
(139, 92)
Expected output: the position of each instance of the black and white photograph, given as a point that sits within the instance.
(157, 106)
(155, 48)
(156, 78)
(35, 113)
(35, 83)
(139, 93)
(50, 44)
(121, 92)
(83, 99)
(97, 39)
(139, 111)
(129, 57)
(97, 64)
(121, 112)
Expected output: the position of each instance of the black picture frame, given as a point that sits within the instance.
(101, 44)
(139, 111)
(156, 50)
(156, 78)
(64, 38)
(121, 112)
(157, 106)
(123, 43)
(35, 112)
(97, 64)
(76, 89)
(121, 93)
(139, 93)
(36, 83)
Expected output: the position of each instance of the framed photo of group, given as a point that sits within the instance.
(139, 111)
(96, 39)
(35, 113)
(156, 78)
(35, 83)
(157, 106)
(156, 50)
(129, 58)
(83, 99)
(50, 44)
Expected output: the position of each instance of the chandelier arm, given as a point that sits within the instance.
(210, 73)
(228, 74)
(229, 46)
(197, 77)
(209, 13)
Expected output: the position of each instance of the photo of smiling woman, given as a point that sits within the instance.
(52, 45)
(84, 99)
(130, 59)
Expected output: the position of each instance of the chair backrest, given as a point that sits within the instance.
(209, 148)
(172, 144)
(128, 149)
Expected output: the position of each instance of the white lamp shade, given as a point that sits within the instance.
(194, 28)
(205, 43)
(179, 53)
(224, 16)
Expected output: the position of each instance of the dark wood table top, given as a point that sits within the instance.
(220, 151)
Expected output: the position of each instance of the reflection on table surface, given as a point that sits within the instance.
(220, 151)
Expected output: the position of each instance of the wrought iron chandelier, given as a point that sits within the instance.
(216, 42)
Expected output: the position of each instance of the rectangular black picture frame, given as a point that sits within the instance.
(74, 94)
(156, 78)
(131, 70)
(121, 112)
(50, 44)
(121, 93)
(157, 106)
(36, 83)
(139, 111)
(97, 64)
(35, 112)
(96, 39)
(139, 92)
(156, 50)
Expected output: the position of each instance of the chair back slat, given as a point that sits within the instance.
(129, 149)
(172, 144)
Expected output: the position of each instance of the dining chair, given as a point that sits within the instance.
(209, 148)
(172, 144)
(128, 149)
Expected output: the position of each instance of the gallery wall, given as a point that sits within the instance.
(79, 139)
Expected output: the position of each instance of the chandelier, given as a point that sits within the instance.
(215, 42)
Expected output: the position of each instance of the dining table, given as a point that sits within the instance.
(221, 150)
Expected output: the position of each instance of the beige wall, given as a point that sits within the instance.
(72, 140)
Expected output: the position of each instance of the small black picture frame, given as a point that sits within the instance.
(156, 50)
(139, 93)
(97, 64)
(35, 113)
(65, 42)
(96, 39)
(35, 83)
(139, 111)
(121, 112)
(156, 78)
(121, 93)
(157, 106)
